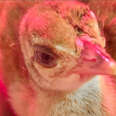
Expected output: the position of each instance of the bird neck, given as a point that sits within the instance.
(32, 100)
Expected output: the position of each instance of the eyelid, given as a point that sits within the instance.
(45, 49)
(66, 50)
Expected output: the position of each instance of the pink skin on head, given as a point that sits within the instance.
(94, 59)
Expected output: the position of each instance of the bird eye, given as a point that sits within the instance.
(45, 57)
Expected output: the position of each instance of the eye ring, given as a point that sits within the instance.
(45, 57)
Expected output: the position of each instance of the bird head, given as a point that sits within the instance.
(62, 45)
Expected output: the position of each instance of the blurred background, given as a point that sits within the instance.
(105, 11)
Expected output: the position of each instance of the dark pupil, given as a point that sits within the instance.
(46, 58)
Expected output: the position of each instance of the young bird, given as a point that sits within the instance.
(51, 54)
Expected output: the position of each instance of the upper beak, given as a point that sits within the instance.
(94, 60)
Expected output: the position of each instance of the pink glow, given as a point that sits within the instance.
(79, 43)
(2, 88)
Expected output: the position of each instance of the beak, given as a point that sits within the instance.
(94, 60)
